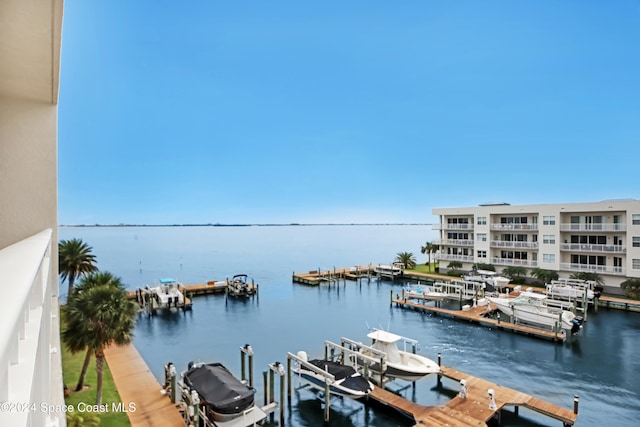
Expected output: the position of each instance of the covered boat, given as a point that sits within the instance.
(222, 393)
(348, 382)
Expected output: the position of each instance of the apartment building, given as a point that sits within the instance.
(600, 237)
(31, 386)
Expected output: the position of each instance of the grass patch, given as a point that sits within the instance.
(71, 367)
(424, 268)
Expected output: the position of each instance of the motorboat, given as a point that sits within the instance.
(401, 364)
(166, 294)
(570, 290)
(490, 279)
(533, 308)
(422, 292)
(343, 380)
(390, 271)
(239, 286)
(222, 396)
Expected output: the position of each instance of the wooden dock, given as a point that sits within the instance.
(474, 409)
(315, 277)
(137, 385)
(477, 315)
(619, 303)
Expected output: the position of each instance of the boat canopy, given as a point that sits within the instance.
(384, 336)
(337, 370)
(167, 280)
(221, 391)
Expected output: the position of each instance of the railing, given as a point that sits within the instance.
(591, 268)
(451, 257)
(28, 378)
(578, 247)
(525, 227)
(512, 261)
(583, 226)
(453, 226)
(454, 242)
(513, 244)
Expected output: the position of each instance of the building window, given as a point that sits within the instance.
(636, 242)
(482, 220)
(549, 220)
(482, 254)
(635, 219)
(635, 264)
(549, 258)
(482, 237)
(549, 239)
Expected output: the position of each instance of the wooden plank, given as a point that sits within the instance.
(137, 385)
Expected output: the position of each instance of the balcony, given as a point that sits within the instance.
(503, 227)
(453, 226)
(593, 227)
(519, 245)
(578, 247)
(30, 367)
(454, 242)
(451, 257)
(591, 268)
(514, 262)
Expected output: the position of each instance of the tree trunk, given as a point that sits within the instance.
(85, 366)
(99, 367)
(72, 278)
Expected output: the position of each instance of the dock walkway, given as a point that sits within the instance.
(476, 315)
(474, 410)
(137, 385)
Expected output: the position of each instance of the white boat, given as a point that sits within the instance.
(390, 271)
(569, 290)
(166, 295)
(401, 363)
(531, 307)
(422, 292)
(492, 281)
(346, 381)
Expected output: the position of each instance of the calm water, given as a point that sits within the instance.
(602, 365)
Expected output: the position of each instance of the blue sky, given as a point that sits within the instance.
(333, 111)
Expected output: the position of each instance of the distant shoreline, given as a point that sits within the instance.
(232, 225)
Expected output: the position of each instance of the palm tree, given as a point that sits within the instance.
(588, 276)
(98, 315)
(75, 339)
(427, 249)
(631, 288)
(407, 259)
(545, 276)
(74, 260)
(513, 272)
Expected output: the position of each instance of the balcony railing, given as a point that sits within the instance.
(578, 247)
(590, 268)
(28, 371)
(451, 257)
(454, 242)
(515, 262)
(525, 227)
(513, 244)
(453, 226)
(593, 227)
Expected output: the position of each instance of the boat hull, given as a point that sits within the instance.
(543, 316)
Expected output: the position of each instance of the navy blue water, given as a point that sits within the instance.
(601, 365)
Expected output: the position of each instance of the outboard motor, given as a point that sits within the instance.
(577, 324)
(597, 291)
(190, 365)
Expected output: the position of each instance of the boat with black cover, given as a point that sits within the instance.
(223, 395)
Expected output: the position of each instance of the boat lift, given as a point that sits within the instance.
(190, 400)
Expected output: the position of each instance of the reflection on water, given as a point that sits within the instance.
(601, 364)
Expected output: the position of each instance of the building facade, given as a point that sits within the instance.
(30, 364)
(600, 237)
